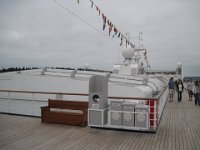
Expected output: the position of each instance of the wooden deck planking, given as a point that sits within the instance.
(165, 134)
(185, 144)
(179, 129)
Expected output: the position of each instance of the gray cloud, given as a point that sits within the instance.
(40, 33)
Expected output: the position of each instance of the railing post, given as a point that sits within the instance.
(33, 105)
(8, 101)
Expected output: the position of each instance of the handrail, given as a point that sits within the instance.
(131, 98)
(162, 93)
(83, 94)
(37, 92)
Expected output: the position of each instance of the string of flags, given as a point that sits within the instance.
(145, 55)
(112, 29)
(106, 22)
(145, 58)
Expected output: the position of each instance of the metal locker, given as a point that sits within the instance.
(116, 114)
(98, 100)
(97, 117)
(142, 116)
(128, 115)
(98, 92)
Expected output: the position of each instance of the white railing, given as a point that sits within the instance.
(29, 102)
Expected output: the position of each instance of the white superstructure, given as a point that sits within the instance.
(26, 91)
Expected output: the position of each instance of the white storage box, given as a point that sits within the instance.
(128, 115)
(97, 117)
(142, 116)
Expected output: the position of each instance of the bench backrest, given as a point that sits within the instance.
(74, 105)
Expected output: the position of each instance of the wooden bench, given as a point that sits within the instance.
(65, 112)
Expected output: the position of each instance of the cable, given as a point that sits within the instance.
(81, 19)
(90, 25)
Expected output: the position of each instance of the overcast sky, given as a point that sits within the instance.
(40, 33)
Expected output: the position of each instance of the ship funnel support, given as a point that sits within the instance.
(98, 100)
(98, 91)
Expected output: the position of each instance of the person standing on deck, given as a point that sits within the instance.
(171, 86)
(180, 89)
(196, 91)
(189, 89)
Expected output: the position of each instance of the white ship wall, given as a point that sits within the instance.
(61, 82)
(44, 83)
(129, 91)
(30, 103)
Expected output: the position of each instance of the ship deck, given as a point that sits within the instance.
(179, 129)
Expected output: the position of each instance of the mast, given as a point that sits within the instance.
(140, 39)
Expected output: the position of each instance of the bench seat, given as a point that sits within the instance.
(65, 112)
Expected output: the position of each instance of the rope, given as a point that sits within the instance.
(81, 19)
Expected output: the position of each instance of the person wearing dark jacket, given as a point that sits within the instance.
(189, 89)
(180, 88)
(196, 91)
(171, 86)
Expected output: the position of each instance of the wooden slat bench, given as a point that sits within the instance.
(65, 112)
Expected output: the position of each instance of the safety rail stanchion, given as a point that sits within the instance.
(153, 112)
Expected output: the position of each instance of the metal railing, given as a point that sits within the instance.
(32, 102)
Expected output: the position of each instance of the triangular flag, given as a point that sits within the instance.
(115, 30)
(104, 21)
(108, 22)
(110, 28)
(145, 55)
(121, 41)
(92, 3)
(119, 34)
(97, 8)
